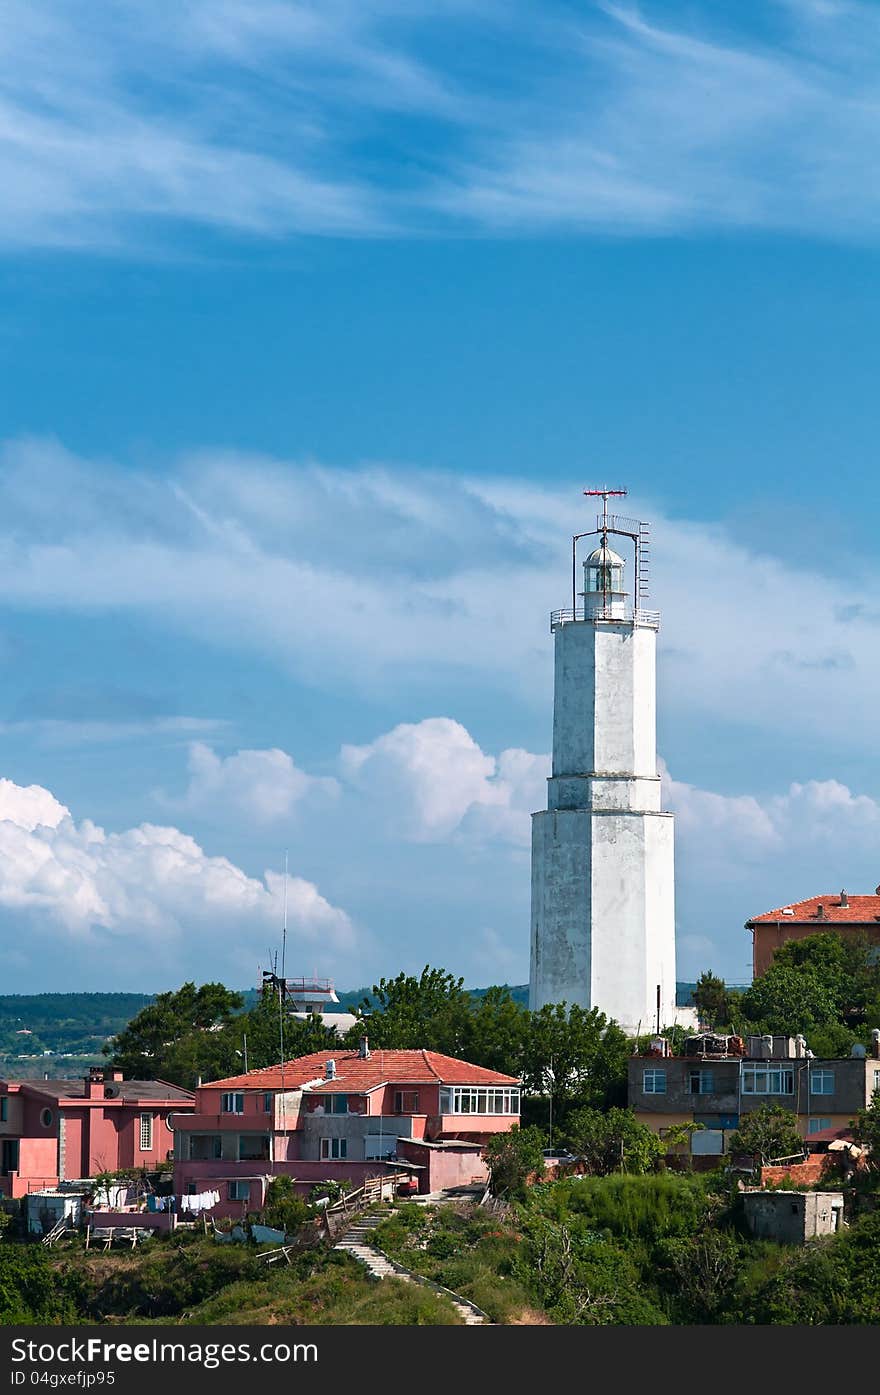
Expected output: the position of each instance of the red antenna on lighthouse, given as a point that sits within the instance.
(604, 494)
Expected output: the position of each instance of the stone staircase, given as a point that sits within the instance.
(356, 1242)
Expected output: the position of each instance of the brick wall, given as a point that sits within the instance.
(806, 1172)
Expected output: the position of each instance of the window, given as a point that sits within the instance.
(146, 1133)
(816, 1125)
(253, 1146)
(338, 1104)
(654, 1082)
(767, 1080)
(232, 1103)
(822, 1082)
(466, 1099)
(239, 1191)
(334, 1148)
(877, 1080)
(47, 1118)
(4, 1109)
(406, 1102)
(268, 1097)
(205, 1147)
(702, 1082)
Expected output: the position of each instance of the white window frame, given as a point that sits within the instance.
(654, 1081)
(334, 1149)
(145, 1131)
(819, 1080)
(237, 1102)
(479, 1099)
(767, 1080)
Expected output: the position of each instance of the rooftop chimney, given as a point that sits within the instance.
(844, 900)
(330, 1070)
(820, 912)
(94, 1083)
(364, 1048)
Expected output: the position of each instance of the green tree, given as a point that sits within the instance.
(179, 1036)
(845, 966)
(498, 1031)
(284, 1208)
(711, 1000)
(866, 1128)
(787, 1000)
(576, 1057)
(262, 1029)
(512, 1157)
(406, 1013)
(612, 1141)
(768, 1132)
(30, 1289)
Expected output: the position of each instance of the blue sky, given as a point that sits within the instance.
(317, 320)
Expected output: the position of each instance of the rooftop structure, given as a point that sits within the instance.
(838, 912)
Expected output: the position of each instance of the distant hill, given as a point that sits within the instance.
(63, 1032)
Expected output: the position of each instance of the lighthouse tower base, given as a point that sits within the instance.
(603, 913)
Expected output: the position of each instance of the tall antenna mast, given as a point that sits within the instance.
(282, 991)
(604, 526)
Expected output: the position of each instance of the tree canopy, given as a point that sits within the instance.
(826, 985)
(202, 1032)
(768, 1132)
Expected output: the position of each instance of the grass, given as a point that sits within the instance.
(466, 1250)
(198, 1281)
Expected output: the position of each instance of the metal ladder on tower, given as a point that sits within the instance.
(644, 565)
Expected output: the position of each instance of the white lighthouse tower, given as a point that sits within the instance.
(603, 908)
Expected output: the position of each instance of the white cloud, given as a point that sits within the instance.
(29, 806)
(251, 116)
(432, 781)
(57, 731)
(148, 902)
(263, 785)
(391, 582)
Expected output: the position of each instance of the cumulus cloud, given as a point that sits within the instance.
(150, 894)
(433, 781)
(262, 785)
(29, 806)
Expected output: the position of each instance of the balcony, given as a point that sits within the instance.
(628, 615)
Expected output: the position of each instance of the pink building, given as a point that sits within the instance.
(60, 1130)
(344, 1115)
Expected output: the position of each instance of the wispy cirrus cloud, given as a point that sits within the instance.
(274, 118)
(384, 580)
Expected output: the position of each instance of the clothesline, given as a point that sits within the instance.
(199, 1201)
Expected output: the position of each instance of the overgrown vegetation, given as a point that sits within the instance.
(825, 985)
(193, 1280)
(629, 1250)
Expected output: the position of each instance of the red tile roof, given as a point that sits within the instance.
(356, 1075)
(860, 910)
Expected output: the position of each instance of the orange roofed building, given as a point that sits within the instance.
(836, 912)
(343, 1115)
